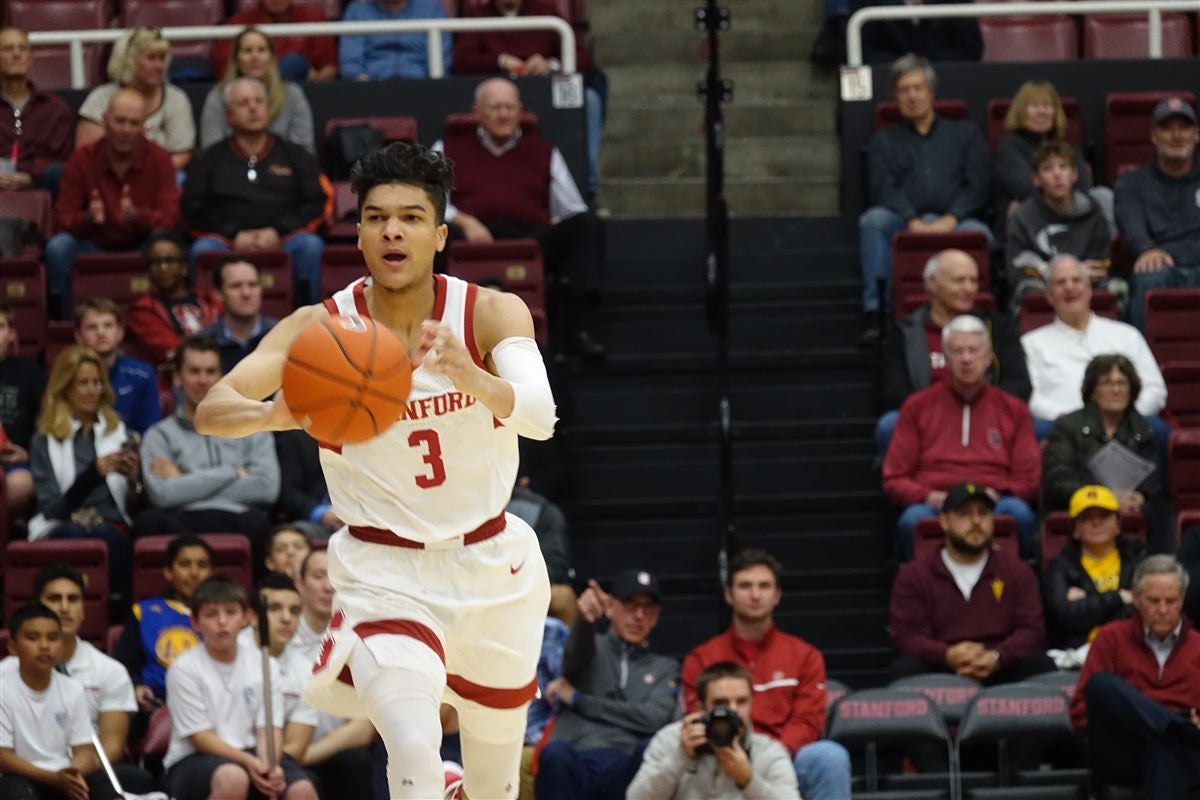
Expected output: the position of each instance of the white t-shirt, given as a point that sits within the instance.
(104, 680)
(305, 643)
(299, 656)
(42, 727)
(295, 674)
(965, 575)
(204, 694)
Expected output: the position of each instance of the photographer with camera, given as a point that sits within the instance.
(714, 754)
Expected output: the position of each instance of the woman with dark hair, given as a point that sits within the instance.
(1110, 389)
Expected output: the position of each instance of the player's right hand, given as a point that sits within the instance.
(594, 603)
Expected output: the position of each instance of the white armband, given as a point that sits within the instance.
(519, 362)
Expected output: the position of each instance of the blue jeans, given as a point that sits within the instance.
(884, 429)
(1178, 277)
(305, 250)
(565, 773)
(120, 552)
(293, 67)
(1014, 507)
(876, 227)
(593, 106)
(823, 771)
(59, 255)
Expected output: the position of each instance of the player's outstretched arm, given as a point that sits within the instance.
(235, 406)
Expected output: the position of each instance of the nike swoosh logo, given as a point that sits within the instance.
(517, 568)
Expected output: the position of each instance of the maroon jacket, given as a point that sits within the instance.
(929, 614)
(1120, 648)
(47, 132)
(159, 329)
(476, 52)
(928, 450)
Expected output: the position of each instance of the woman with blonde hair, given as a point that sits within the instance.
(139, 61)
(253, 56)
(85, 467)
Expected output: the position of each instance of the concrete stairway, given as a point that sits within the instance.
(781, 154)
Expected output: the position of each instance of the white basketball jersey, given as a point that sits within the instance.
(446, 466)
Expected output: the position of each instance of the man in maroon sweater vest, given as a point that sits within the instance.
(1139, 691)
(512, 184)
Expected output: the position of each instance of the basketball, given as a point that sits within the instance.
(346, 379)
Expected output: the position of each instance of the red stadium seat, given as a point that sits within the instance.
(394, 129)
(929, 536)
(176, 13)
(911, 251)
(35, 205)
(1058, 528)
(1029, 38)
(1183, 467)
(911, 301)
(121, 277)
(997, 110)
(1127, 125)
(888, 111)
(274, 273)
(23, 287)
(1186, 519)
(1183, 393)
(3, 525)
(465, 121)
(158, 733)
(231, 556)
(60, 335)
(51, 68)
(23, 560)
(341, 265)
(1113, 36)
(343, 228)
(517, 263)
(1173, 324)
(331, 8)
(1036, 310)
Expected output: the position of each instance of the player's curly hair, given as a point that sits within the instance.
(411, 164)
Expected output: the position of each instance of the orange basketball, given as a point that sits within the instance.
(346, 379)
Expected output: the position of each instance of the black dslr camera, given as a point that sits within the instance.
(722, 727)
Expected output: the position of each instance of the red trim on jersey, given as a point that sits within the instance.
(331, 306)
(402, 627)
(335, 448)
(360, 299)
(439, 297)
(345, 676)
(469, 325)
(380, 536)
(492, 697)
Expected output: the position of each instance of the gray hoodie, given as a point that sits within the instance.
(209, 465)
(1037, 233)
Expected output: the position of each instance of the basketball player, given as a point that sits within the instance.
(439, 593)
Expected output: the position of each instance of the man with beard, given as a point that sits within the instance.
(788, 676)
(968, 608)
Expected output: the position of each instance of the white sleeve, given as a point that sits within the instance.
(185, 700)
(565, 199)
(1154, 389)
(297, 709)
(7, 706)
(451, 209)
(117, 693)
(79, 720)
(519, 362)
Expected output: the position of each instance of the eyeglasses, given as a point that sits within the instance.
(1113, 383)
(164, 261)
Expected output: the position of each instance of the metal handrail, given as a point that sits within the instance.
(432, 27)
(1152, 8)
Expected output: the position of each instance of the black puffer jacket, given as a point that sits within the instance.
(1068, 622)
(1072, 442)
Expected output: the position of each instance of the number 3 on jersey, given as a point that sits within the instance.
(432, 446)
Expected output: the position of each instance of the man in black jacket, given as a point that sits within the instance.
(303, 497)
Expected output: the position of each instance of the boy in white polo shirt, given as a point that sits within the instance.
(45, 735)
(218, 717)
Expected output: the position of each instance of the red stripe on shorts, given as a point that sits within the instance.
(492, 697)
(402, 627)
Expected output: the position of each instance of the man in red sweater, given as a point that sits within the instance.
(1139, 691)
(789, 676)
(963, 426)
(300, 58)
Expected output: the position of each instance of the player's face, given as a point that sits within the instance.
(197, 374)
(288, 549)
(219, 624)
(38, 643)
(399, 235)
(316, 592)
(283, 614)
(65, 598)
(969, 528)
(100, 331)
(83, 394)
(189, 569)
(634, 617)
(753, 594)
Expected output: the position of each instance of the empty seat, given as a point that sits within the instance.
(176, 13)
(1183, 468)
(344, 225)
(1121, 36)
(23, 287)
(929, 536)
(1029, 38)
(274, 273)
(340, 266)
(121, 277)
(23, 560)
(911, 251)
(1058, 528)
(1036, 310)
(1183, 393)
(51, 68)
(997, 110)
(35, 205)
(1063, 680)
(1172, 324)
(1127, 127)
(516, 263)
(231, 556)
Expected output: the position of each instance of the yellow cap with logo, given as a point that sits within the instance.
(1093, 496)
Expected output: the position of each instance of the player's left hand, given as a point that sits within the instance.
(560, 691)
(443, 353)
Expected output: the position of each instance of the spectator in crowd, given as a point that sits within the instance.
(1089, 583)
(301, 58)
(98, 326)
(114, 192)
(22, 384)
(1057, 219)
(1139, 691)
(550, 524)
(159, 629)
(549, 669)
(379, 56)
(218, 721)
(45, 736)
(510, 184)
(1189, 557)
(1157, 212)
(958, 426)
(316, 606)
(242, 324)
(681, 762)
(35, 126)
(303, 497)
(1057, 354)
(952, 39)
(1110, 390)
(253, 56)
(787, 676)
(172, 309)
(1036, 118)
(253, 191)
(516, 53)
(914, 357)
(198, 483)
(926, 174)
(968, 608)
(287, 547)
(613, 695)
(85, 466)
(139, 62)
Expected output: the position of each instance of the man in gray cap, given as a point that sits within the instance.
(1158, 207)
(613, 696)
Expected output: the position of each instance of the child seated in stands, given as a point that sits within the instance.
(287, 547)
